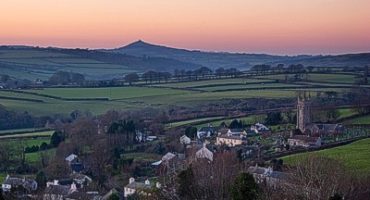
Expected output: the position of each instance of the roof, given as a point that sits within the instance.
(26, 183)
(138, 185)
(204, 153)
(168, 156)
(71, 157)
(305, 138)
(58, 190)
(236, 130)
(207, 129)
(231, 137)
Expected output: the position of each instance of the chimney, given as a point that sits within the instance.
(131, 180)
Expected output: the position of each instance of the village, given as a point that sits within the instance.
(255, 145)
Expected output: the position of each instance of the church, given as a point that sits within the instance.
(305, 124)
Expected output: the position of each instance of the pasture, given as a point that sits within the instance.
(354, 156)
(99, 100)
(316, 77)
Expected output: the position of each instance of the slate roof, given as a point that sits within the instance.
(58, 190)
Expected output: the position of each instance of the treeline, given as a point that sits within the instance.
(19, 120)
(181, 75)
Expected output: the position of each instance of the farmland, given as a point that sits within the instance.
(355, 156)
(99, 100)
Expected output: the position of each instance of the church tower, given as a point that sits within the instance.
(303, 112)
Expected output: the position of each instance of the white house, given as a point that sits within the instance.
(206, 132)
(142, 188)
(259, 128)
(304, 141)
(204, 153)
(267, 175)
(230, 141)
(236, 132)
(185, 140)
(71, 158)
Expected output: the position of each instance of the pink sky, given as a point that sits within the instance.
(260, 26)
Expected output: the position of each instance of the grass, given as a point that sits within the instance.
(315, 77)
(359, 120)
(248, 86)
(147, 157)
(192, 121)
(34, 158)
(27, 135)
(22, 130)
(246, 120)
(354, 156)
(2, 177)
(112, 93)
(27, 142)
(204, 83)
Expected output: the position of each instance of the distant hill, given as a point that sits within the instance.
(32, 62)
(239, 60)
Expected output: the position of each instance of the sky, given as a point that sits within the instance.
(251, 26)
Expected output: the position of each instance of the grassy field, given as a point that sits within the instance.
(205, 83)
(66, 100)
(324, 78)
(246, 120)
(34, 63)
(27, 142)
(359, 120)
(186, 122)
(27, 135)
(355, 156)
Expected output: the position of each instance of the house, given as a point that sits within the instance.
(320, 130)
(230, 141)
(55, 191)
(263, 175)
(72, 157)
(80, 179)
(206, 132)
(304, 141)
(113, 192)
(151, 138)
(29, 185)
(139, 187)
(204, 153)
(84, 195)
(259, 128)
(185, 140)
(236, 132)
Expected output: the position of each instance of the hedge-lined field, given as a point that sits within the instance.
(355, 156)
(316, 77)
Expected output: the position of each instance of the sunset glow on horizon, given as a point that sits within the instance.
(252, 26)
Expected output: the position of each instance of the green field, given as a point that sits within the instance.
(355, 156)
(125, 98)
(34, 63)
(192, 121)
(246, 120)
(205, 83)
(315, 77)
(100, 100)
(27, 135)
(359, 120)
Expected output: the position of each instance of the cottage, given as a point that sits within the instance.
(139, 187)
(204, 153)
(185, 140)
(10, 183)
(230, 141)
(206, 132)
(55, 191)
(71, 158)
(304, 141)
(259, 128)
(267, 175)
